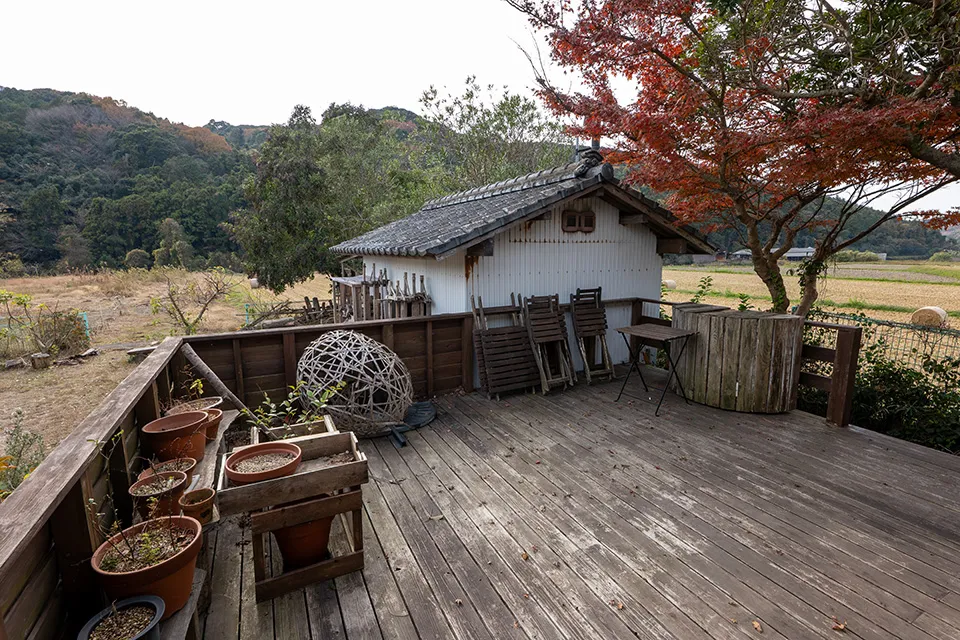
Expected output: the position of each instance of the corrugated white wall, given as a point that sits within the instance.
(539, 258)
(444, 279)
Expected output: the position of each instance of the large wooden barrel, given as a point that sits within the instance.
(745, 361)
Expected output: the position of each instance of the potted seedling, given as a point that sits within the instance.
(195, 400)
(155, 557)
(186, 465)
(299, 414)
(159, 494)
(135, 618)
(198, 504)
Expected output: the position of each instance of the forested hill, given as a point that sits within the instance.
(86, 180)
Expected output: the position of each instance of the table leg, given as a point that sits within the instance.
(672, 374)
(634, 364)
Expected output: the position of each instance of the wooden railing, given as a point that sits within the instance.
(46, 584)
(46, 539)
(839, 385)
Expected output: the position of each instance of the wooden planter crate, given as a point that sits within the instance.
(326, 491)
(324, 425)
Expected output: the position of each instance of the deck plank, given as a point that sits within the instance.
(557, 510)
(843, 587)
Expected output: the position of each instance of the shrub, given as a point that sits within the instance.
(30, 327)
(945, 256)
(921, 406)
(851, 255)
(11, 266)
(137, 259)
(21, 455)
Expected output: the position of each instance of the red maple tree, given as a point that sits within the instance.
(674, 85)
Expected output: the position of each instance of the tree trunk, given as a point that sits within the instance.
(810, 294)
(769, 271)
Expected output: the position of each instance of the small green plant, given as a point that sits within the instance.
(22, 454)
(186, 304)
(302, 404)
(159, 540)
(703, 289)
(744, 304)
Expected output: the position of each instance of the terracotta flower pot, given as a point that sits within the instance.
(198, 504)
(214, 416)
(302, 544)
(170, 465)
(201, 404)
(171, 580)
(263, 448)
(168, 500)
(152, 632)
(177, 436)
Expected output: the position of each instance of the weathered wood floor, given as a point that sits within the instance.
(569, 516)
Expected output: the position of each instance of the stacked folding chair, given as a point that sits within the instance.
(548, 334)
(504, 354)
(590, 330)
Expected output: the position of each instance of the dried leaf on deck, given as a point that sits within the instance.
(757, 626)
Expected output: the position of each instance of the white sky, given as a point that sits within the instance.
(251, 62)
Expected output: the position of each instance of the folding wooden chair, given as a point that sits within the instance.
(505, 357)
(590, 330)
(548, 335)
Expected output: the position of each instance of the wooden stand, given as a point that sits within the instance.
(312, 493)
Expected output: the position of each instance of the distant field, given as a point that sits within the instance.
(118, 308)
(885, 290)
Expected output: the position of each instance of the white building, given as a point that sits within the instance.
(544, 233)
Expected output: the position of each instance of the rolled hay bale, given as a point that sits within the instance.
(254, 283)
(929, 317)
(669, 285)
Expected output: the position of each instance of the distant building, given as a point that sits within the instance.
(796, 254)
(548, 232)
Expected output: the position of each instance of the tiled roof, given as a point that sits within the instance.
(446, 223)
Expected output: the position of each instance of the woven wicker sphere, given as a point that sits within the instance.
(378, 389)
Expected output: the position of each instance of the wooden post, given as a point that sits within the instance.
(387, 336)
(636, 312)
(429, 365)
(290, 359)
(238, 368)
(466, 355)
(840, 404)
(75, 540)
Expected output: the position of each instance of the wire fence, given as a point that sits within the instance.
(909, 344)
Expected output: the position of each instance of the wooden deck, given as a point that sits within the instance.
(570, 516)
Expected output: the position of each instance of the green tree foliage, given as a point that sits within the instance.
(37, 224)
(483, 136)
(137, 259)
(84, 180)
(319, 184)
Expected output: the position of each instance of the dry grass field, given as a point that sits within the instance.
(885, 290)
(120, 316)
